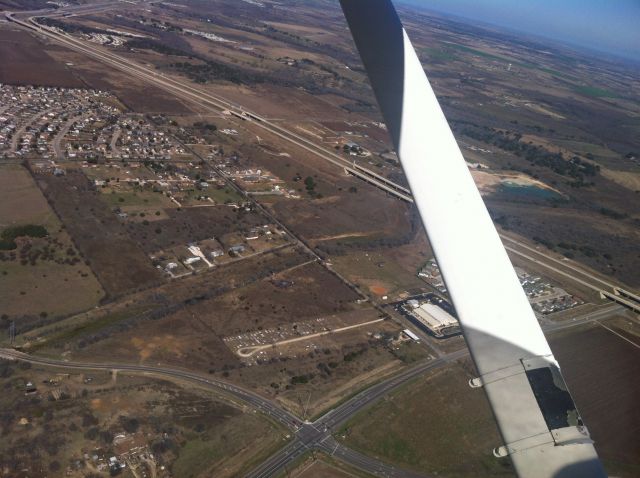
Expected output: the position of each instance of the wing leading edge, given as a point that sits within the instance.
(540, 426)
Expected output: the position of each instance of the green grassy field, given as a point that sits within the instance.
(582, 147)
(239, 444)
(595, 92)
(439, 54)
(491, 56)
(47, 288)
(435, 424)
(39, 287)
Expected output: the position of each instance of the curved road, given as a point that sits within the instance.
(265, 406)
(307, 435)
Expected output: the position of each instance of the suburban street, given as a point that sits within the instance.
(182, 89)
(185, 91)
(320, 434)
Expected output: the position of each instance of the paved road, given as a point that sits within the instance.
(57, 147)
(567, 264)
(113, 143)
(17, 135)
(186, 91)
(306, 435)
(309, 435)
(319, 433)
(259, 403)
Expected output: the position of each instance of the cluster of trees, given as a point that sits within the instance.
(300, 379)
(570, 249)
(212, 70)
(612, 214)
(155, 45)
(351, 356)
(9, 235)
(584, 249)
(575, 167)
(310, 185)
(201, 125)
(69, 27)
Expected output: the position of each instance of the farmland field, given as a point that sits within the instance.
(119, 264)
(40, 287)
(20, 52)
(601, 370)
(434, 424)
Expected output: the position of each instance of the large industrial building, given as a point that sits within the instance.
(431, 314)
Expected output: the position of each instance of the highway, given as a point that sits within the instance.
(308, 435)
(256, 401)
(184, 90)
(567, 264)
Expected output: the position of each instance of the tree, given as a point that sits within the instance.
(130, 425)
(309, 183)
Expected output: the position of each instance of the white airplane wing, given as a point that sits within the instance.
(538, 421)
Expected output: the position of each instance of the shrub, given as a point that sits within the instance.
(8, 236)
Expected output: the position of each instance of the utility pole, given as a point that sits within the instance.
(12, 332)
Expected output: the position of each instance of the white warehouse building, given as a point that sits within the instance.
(434, 317)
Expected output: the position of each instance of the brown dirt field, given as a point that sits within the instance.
(372, 362)
(22, 201)
(362, 213)
(182, 324)
(329, 179)
(135, 94)
(192, 224)
(372, 131)
(383, 271)
(378, 289)
(26, 61)
(627, 179)
(187, 319)
(119, 264)
(602, 372)
(315, 293)
(47, 288)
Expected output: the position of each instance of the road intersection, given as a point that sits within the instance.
(307, 435)
(319, 434)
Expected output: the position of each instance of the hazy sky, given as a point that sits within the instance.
(607, 25)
